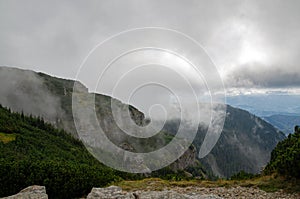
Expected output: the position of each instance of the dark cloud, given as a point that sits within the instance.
(262, 76)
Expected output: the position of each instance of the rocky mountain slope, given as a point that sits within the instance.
(245, 144)
(51, 98)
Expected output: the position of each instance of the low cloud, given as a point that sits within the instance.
(25, 91)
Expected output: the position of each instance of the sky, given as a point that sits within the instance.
(254, 45)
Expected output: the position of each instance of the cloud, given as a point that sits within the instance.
(257, 75)
(253, 43)
(23, 90)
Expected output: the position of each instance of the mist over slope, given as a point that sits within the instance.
(245, 143)
(62, 117)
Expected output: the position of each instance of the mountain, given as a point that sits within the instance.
(245, 143)
(284, 123)
(280, 110)
(51, 98)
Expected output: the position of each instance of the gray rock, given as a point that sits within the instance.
(114, 192)
(173, 195)
(32, 192)
(203, 197)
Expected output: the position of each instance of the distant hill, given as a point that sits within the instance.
(284, 123)
(264, 105)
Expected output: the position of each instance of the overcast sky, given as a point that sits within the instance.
(254, 44)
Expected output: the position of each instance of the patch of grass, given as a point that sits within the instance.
(7, 137)
(157, 184)
(266, 183)
(154, 184)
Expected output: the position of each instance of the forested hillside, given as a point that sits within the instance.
(34, 152)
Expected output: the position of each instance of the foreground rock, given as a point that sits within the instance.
(32, 192)
(109, 193)
(236, 192)
(114, 192)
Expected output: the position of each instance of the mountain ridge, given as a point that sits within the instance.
(57, 93)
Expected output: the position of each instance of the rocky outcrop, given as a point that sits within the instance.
(32, 192)
(186, 160)
(114, 192)
(109, 193)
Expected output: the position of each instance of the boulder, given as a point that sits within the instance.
(112, 192)
(32, 192)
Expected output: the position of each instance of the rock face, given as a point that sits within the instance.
(186, 160)
(114, 192)
(32, 192)
(245, 144)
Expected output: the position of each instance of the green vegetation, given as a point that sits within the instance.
(242, 175)
(285, 158)
(34, 152)
(5, 138)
